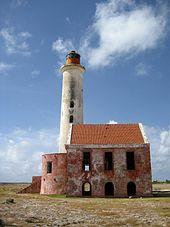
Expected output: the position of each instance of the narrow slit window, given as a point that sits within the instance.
(86, 161)
(49, 167)
(71, 119)
(130, 160)
(71, 104)
(108, 161)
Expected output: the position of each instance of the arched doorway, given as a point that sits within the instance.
(109, 189)
(86, 189)
(131, 189)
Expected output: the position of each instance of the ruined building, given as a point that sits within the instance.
(94, 159)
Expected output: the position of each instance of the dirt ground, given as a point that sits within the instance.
(36, 210)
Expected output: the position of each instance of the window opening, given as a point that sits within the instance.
(71, 104)
(71, 119)
(86, 189)
(130, 160)
(131, 189)
(109, 189)
(86, 161)
(49, 167)
(108, 161)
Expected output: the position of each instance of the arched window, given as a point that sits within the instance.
(71, 104)
(109, 189)
(86, 189)
(131, 189)
(71, 119)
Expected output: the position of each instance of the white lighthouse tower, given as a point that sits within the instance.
(72, 97)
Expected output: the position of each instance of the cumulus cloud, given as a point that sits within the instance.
(21, 150)
(122, 28)
(16, 43)
(4, 67)
(160, 151)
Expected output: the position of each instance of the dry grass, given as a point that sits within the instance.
(161, 187)
(11, 188)
(36, 210)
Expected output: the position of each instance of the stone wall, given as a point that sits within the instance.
(119, 176)
(54, 182)
(34, 187)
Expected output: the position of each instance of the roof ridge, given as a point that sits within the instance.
(89, 124)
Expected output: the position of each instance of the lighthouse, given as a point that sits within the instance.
(72, 97)
(116, 156)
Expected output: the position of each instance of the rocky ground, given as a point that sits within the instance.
(36, 210)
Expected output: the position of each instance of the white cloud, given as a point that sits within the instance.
(25, 34)
(122, 28)
(35, 72)
(16, 43)
(112, 122)
(160, 151)
(21, 150)
(60, 46)
(141, 69)
(4, 67)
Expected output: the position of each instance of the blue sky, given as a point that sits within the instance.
(125, 48)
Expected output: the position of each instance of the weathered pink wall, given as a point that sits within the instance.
(55, 182)
(34, 187)
(119, 176)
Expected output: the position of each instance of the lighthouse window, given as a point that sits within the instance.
(49, 167)
(71, 104)
(71, 119)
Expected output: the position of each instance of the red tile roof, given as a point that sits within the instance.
(106, 134)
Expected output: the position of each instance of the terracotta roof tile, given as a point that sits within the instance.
(106, 134)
